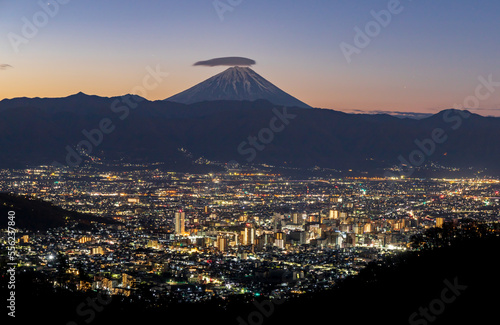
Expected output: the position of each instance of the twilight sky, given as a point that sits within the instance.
(428, 57)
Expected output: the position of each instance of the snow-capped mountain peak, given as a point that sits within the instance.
(236, 83)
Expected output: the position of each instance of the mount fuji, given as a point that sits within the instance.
(237, 83)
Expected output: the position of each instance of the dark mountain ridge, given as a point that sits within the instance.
(35, 214)
(43, 131)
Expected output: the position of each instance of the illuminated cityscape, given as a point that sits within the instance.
(239, 233)
(249, 162)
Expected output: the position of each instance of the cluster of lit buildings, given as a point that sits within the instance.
(191, 237)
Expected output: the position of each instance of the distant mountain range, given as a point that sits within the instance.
(34, 214)
(237, 83)
(131, 129)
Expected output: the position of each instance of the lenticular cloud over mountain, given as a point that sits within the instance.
(239, 82)
(227, 61)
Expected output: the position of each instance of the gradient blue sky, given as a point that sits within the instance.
(427, 59)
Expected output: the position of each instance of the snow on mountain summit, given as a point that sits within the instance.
(236, 83)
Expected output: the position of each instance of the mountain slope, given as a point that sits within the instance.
(41, 132)
(34, 214)
(237, 83)
(394, 291)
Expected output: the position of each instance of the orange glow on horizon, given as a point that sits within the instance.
(34, 81)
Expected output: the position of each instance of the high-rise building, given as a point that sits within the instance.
(279, 240)
(352, 239)
(222, 243)
(153, 244)
(179, 222)
(439, 222)
(303, 237)
(97, 250)
(277, 221)
(267, 238)
(313, 218)
(339, 241)
(334, 214)
(107, 283)
(127, 280)
(249, 235)
(295, 218)
(84, 239)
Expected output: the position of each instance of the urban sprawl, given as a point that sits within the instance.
(240, 233)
